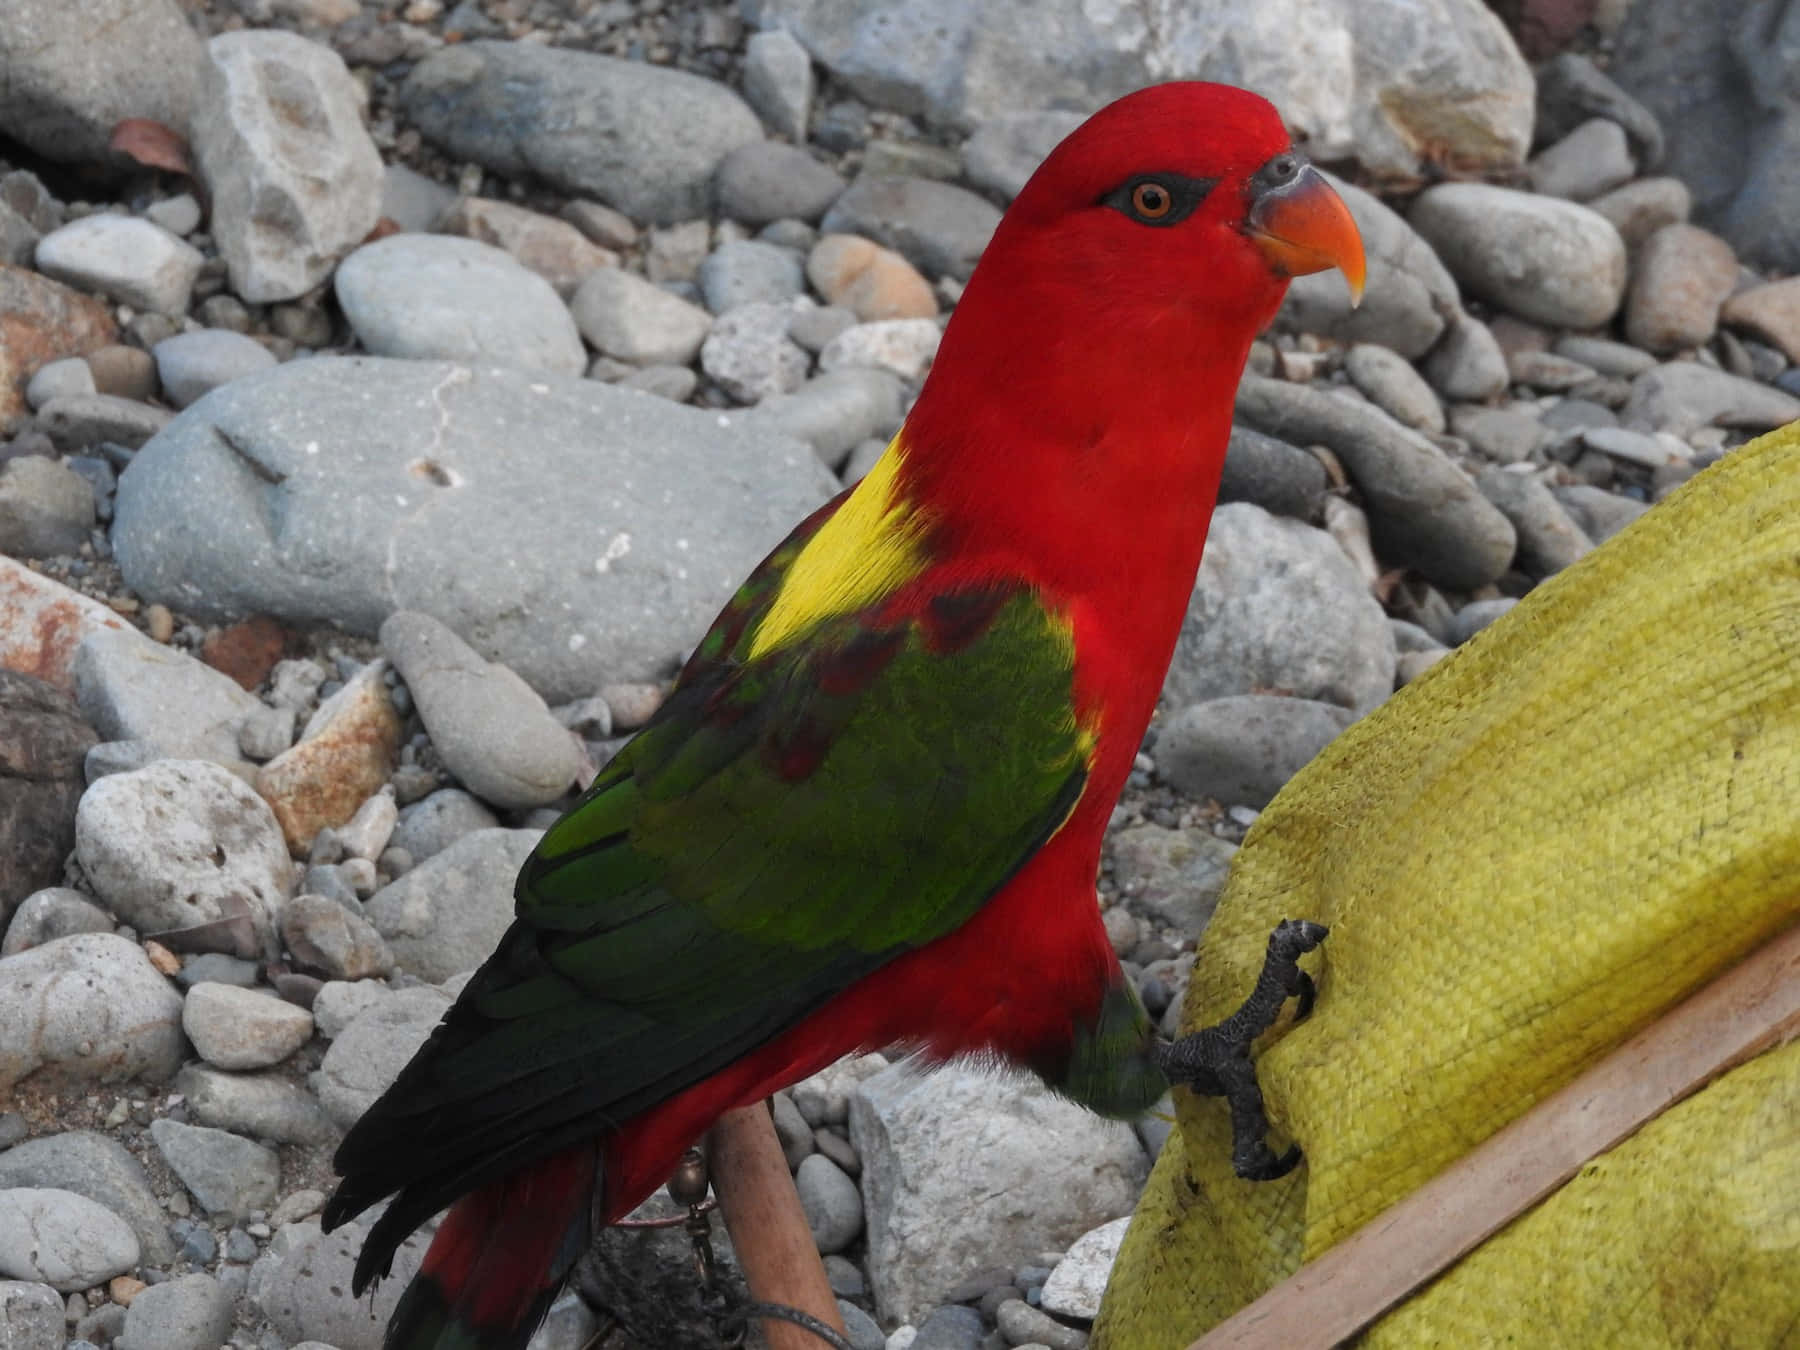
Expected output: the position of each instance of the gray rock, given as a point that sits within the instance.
(1477, 615)
(70, 377)
(31, 1316)
(1277, 605)
(1591, 160)
(181, 843)
(264, 1105)
(1467, 362)
(938, 227)
(265, 733)
(104, 1171)
(961, 1172)
(1550, 261)
(1174, 876)
(1652, 451)
(1548, 372)
(626, 317)
(766, 181)
(18, 237)
(192, 1312)
(447, 915)
(340, 1002)
(45, 509)
(865, 1332)
(431, 825)
(83, 421)
(1409, 299)
(428, 296)
(778, 82)
(301, 1279)
(1680, 279)
(1724, 78)
(89, 1006)
(368, 1054)
(327, 938)
(192, 365)
(1502, 435)
(491, 730)
(228, 1175)
(643, 138)
(835, 413)
(1392, 384)
(949, 1328)
(1006, 150)
(746, 271)
(1021, 1324)
(1424, 511)
(43, 743)
(1241, 750)
(66, 88)
(749, 355)
(831, 1202)
(1571, 90)
(1548, 539)
(411, 200)
(1599, 513)
(824, 1098)
(1638, 210)
(124, 257)
(1372, 81)
(416, 477)
(1283, 479)
(235, 1028)
(569, 1325)
(1076, 1284)
(43, 916)
(555, 249)
(1683, 396)
(675, 383)
(62, 1239)
(296, 181)
(791, 1130)
(1609, 358)
(131, 688)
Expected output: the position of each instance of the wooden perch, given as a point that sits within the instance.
(768, 1228)
(1751, 1008)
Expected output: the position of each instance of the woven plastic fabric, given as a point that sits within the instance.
(1526, 856)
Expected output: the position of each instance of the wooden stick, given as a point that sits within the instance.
(1749, 1009)
(767, 1226)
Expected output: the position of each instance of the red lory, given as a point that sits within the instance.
(870, 812)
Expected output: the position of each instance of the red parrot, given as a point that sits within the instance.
(871, 810)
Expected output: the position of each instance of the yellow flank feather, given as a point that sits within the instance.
(871, 547)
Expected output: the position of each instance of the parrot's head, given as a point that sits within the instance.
(1188, 195)
(1145, 253)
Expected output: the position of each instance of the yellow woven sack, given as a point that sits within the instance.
(1525, 857)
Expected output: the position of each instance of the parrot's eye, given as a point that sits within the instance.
(1158, 199)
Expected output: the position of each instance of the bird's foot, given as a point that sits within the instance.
(1215, 1061)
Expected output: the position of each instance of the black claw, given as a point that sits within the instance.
(1215, 1061)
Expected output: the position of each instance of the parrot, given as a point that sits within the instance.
(870, 811)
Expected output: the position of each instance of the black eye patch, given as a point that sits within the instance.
(1159, 198)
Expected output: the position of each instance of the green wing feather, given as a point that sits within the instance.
(785, 825)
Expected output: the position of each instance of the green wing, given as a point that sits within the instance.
(785, 825)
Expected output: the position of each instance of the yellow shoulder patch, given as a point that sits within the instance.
(871, 547)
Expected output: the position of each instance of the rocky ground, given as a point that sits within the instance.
(378, 434)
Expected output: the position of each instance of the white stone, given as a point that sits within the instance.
(296, 181)
(88, 1006)
(367, 1055)
(965, 1169)
(243, 1028)
(903, 346)
(124, 257)
(1079, 1280)
(183, 842)
(62, 1239)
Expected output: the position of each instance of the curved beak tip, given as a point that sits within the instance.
(1305, 227)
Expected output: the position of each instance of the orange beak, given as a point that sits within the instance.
(1301, 226)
